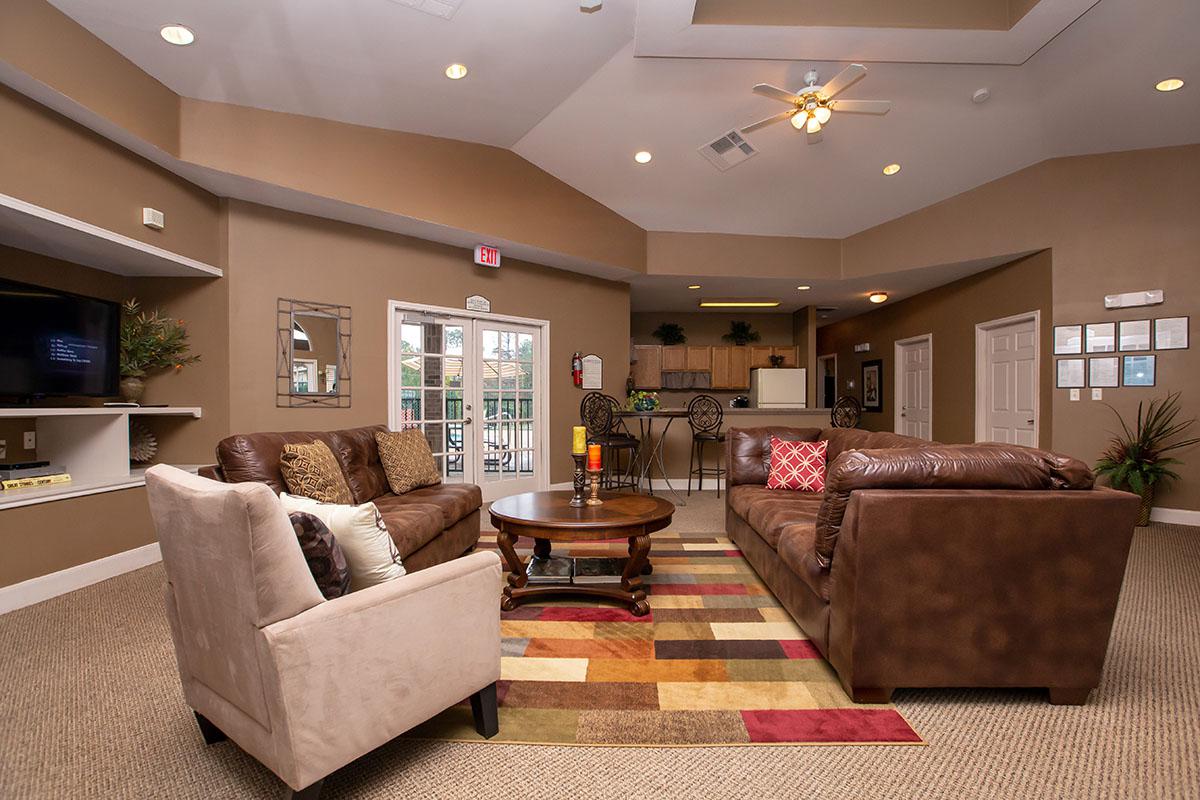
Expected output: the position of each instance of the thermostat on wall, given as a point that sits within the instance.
(1131, 299)
(153, 218)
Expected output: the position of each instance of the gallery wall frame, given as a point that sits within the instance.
(1171, 333)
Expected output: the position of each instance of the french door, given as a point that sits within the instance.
(475, 388)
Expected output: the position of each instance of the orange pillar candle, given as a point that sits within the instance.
(578, 440)
(593, 452)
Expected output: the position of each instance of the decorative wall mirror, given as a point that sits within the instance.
(312, 354)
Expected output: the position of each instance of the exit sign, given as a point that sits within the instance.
(487, 256)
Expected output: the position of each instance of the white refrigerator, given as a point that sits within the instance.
(777, 388)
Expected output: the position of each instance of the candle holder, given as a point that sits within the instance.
(579, 483)
(594, 478)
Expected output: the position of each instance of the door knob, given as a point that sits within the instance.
(1028, 422)
(467, 421)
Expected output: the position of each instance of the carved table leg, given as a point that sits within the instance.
(648, 568)
(631, 578)
(516, 576)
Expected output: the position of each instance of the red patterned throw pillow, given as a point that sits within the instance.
(799, 466)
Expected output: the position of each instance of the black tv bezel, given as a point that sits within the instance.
(114, 337)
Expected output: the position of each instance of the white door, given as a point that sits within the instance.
(474, 388)
(1008, 364)
(914, 387)
(508, 444)
(436, 380)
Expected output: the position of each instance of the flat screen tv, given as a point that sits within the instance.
(57, 343)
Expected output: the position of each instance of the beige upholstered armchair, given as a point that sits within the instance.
(307, 685)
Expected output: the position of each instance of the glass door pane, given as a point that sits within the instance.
(434, 389)
(509, 382)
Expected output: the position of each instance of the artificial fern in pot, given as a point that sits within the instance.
(1136, 460)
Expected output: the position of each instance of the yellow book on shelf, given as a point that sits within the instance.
(41, 480)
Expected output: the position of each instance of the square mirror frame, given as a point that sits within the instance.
(285, 312)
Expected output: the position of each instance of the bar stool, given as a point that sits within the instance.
(705, 416)
(597, 412)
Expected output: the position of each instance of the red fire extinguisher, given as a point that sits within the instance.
(577, 368)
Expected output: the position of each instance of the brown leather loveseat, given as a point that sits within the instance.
(926, 565)
(430, 525)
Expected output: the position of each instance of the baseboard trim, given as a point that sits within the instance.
(44, 587)
(1177, 516)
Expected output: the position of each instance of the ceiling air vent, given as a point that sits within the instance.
(825, 312)
(437, 8)
(728, 151)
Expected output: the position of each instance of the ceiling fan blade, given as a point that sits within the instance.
(762, 123)
(862, 106)
(775, 93)
(815, 138)
(843, 80)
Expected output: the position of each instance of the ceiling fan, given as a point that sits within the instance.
(813, 106)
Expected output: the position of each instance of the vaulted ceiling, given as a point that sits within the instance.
(577, 94)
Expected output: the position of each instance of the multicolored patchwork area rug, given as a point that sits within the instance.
(716, 662)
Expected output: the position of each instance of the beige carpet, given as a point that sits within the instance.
(90, 708)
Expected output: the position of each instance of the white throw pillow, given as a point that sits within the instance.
(370, 552)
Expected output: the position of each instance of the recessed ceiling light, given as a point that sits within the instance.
(456, 72)
(747, 302)
(642, 156)
(177, 34)
(1169, 84)
(877, 297)
(804, 287)
(891, 169)
(694, 286)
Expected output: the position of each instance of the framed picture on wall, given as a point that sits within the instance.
(1100, 337)
(1104, 372)
(1133, 334)
(1171, 333)
(1070, 373)
(1068, 340)
(872, 385)
(1138, 371)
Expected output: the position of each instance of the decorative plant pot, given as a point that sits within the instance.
(131, 389)
(1147, 504)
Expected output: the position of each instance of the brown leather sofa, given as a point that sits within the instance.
(430, 525)
(927, 565)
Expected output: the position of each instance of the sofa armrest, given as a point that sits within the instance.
(977, 587)
(359, 670)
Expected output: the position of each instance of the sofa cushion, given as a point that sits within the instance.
(799, 466)
(372, 556)
(407, 460)
(311, 470)
(769, 511)
(455, 501)
(411, 525)
(324, 555)
(842, 439)
(359, 456)
(254, 457)
(749, 450)
(797, 549)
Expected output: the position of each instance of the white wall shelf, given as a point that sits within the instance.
(91, 444)
(30, 227)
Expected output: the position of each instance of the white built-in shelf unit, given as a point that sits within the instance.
(92, 444)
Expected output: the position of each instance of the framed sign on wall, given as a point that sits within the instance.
(872, 385)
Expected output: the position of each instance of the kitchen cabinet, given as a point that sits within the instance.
(722, 378)
(760, 355)
(789, 355)
(739, 367)
(647, 367)
(699, 358)
(674, 358)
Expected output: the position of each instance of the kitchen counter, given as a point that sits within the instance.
(814, 412)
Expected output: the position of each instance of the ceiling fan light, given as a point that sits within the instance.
(814, 126)
(822, 114)
(799, 120)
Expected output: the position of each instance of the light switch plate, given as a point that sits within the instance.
(30, 442)
(1097, 394)
(1074, 394)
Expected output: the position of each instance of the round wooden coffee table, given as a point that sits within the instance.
(547, 517)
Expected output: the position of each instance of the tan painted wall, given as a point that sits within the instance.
(273, 252)
(950, 313)
(669, 253)
(1115, 222)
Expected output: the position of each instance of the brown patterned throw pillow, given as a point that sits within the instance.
(325, 558)
(310, 470)
(407, 460)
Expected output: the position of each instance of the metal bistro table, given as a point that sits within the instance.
(651, 449)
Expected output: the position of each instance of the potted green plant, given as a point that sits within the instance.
(741, 333)
(670, 333)
(149, 343)
(1136, 461)
(642, 401)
